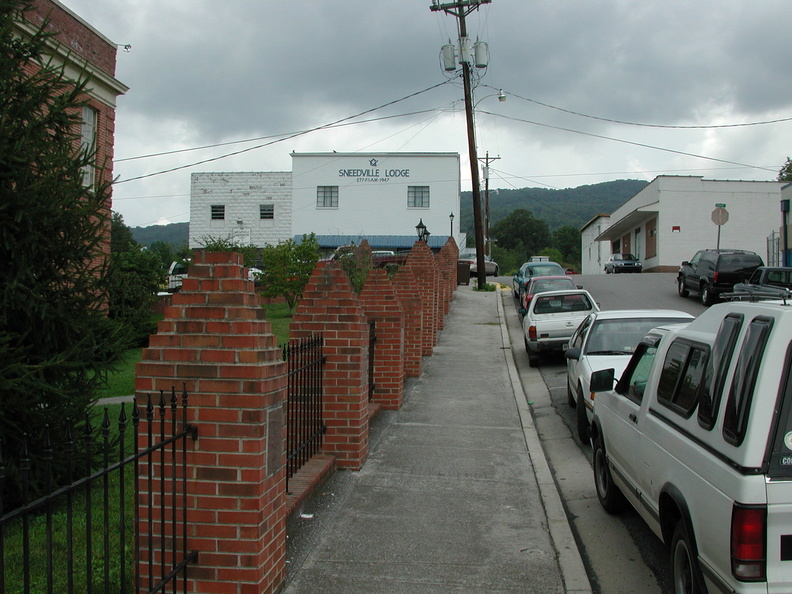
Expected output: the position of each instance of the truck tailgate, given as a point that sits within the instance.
(779, 536)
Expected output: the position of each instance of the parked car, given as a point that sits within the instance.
(178, 270)
(531, 269)
(607, 339)
(767, 282)
(551, 319)
(622, 263)
(542, 284)
(490, 265)
(713, 272)
(697, 436)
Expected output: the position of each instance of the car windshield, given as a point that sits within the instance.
(628, 257)
(620, 337)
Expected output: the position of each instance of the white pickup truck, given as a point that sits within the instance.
(697, 436)
(551, 319)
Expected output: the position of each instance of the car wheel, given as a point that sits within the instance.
(607, 271)
(582, 418)
(611, 499)
(497, 271)
(571, 401)
(533, 359)
(684, 567)
(707, 298)
(681, 288)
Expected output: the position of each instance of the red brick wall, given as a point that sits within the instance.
(215, 339)
(422, 263)
(381, 304)
(330, 306)
(411, 300)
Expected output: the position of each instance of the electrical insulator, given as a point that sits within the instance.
(464, 50)
(481, 53)
(449, 56)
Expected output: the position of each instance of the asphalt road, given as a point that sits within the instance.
(611, 546)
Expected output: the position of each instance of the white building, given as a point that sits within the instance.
(248, 207)
(345, 197)
(672, 218)
(340, 197)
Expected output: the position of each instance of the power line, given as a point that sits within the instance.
(294, 135)
(630, 142)
(664, 126)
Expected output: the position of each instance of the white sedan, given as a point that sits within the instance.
(605, 340)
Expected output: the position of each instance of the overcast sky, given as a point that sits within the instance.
(578, 76)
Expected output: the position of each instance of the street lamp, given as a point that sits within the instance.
(423, 234)
(451, 216)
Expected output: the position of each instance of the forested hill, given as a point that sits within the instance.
(570, 206)
(176, 234)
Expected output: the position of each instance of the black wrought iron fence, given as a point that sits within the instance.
(82, 536)
(305, 423)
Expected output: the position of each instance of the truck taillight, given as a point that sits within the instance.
(714, 277)
(748, 536)
(532, 332)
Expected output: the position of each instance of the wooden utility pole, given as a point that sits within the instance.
(460, 9)
(486, 202)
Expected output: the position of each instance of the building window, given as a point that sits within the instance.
(266, 212)
(88, 144)
(218, 212)
(327, 197)
(417, 196)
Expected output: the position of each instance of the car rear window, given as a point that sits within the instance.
(681, 377)
(781, 454)
(545, 270)
(738, 405)
(737, 263)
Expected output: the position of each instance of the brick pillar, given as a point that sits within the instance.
(330, 306)
(422, 263)
(215, 339)
(381, 304)
(409, 295)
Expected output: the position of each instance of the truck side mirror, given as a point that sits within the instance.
(602, 380)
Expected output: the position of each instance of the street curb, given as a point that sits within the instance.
(573, 572)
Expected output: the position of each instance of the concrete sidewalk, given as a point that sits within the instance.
(456, 495)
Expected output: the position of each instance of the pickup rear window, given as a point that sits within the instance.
(717, 367)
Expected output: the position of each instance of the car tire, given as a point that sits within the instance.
(685, 573)
(533, 359)
(610, 497)
(607, 271)
(681, 288)
(707, 297)
(582, 419)
(571, 401)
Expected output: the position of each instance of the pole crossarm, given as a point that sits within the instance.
(462, 7)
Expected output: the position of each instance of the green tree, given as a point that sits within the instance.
(521, 231)
(566, 239)
(133, 279)
(56, 340)
(287, 267)
(785, 174)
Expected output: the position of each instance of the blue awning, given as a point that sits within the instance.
(376, 242)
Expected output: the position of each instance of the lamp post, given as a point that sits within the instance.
(451, 216)
(422, 231)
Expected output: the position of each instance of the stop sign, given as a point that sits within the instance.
(720, 216)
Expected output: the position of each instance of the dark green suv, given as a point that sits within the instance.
(712, 272)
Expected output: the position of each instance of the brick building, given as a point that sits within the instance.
(84, 52)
